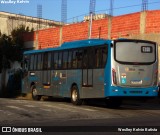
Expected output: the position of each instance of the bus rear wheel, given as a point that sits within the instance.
(34, 94)
(75, 98)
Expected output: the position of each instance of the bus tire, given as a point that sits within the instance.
(113, 102)
(34, 93)
(75, 98)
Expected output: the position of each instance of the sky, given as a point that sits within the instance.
(76, 9)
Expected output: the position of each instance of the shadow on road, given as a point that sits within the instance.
(127, 104)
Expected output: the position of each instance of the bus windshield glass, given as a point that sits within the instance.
(135, 52)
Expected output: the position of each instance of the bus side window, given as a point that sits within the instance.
(35, 62)
(60, 60)
(70, 59)
(25, 63)
(90, 57)
(74, 59)
(85, 59)
(31, 62)
(104, 55)
(49, 60)
(98, 57)
(79, 58)
(39, 62)
(65, 57)
(45, 61)
(55, 60)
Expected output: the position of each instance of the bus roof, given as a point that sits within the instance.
(73, 44)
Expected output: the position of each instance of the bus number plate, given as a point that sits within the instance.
(136, 82)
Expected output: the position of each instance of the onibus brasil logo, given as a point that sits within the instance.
(14, 1)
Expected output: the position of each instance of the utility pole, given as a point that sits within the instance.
(111, 8)
(39, 14)
(64, 11)
(92, 13)
(144, 5)
(92, 6)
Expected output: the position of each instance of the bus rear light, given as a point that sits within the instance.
(155, 77)
(115, 90)
(155, 90)
(114, 76)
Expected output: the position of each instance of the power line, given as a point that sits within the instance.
(104, 10)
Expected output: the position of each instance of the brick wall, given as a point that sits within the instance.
(121, 26)
(75, 31)
(153, 21)
(125, 25)
(48, 38)
(100, 28)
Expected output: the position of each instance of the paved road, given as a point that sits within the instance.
(16, 112)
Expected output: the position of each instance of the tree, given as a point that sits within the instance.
(5, 44)
(11, 49)
(18, 42)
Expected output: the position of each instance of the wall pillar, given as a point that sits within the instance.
(109, 26)
(60, 35)
(36, 42)
(143, 22)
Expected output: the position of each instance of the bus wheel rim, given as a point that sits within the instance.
(74, 95)
(34, 92)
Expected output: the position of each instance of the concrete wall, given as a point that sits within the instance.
(4, 76)
(11, 21)
(3, 26)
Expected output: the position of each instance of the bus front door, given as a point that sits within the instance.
(46, 79)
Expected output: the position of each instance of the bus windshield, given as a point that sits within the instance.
(135, 52)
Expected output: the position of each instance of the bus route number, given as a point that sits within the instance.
(146, 49)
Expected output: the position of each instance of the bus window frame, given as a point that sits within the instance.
(135, 63)
(66, 67)
(45, 61)
(39, 67)
(31, 62)
(55, 67)
(70, 51)
(101, 65)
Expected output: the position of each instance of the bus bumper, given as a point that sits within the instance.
(123, 91)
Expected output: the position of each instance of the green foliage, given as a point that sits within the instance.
(5, 42)
(17, 35)
(11, 47)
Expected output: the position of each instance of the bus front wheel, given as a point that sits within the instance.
(34, 94)
(75, 99)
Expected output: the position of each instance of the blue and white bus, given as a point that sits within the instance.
(93, 68)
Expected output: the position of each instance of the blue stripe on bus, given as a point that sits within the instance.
(74, 44)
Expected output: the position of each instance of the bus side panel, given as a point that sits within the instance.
(97, 89)
(62, 81)
(38, 83)
(25, 85)
(108, 73)
(34, 78)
